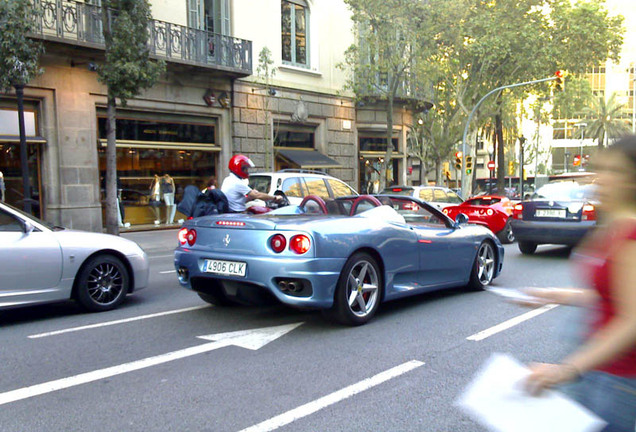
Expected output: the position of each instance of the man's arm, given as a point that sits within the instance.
(254, 194)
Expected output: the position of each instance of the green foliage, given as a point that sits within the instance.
(604, 120)
(574, 100)
(19, 54)
(127, 69)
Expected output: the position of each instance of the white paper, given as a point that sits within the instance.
(496, 399)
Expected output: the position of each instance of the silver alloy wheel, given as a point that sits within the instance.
(485, 263)
(362, 288)
(105, 283)
(510, 235)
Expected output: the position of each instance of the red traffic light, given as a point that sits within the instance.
(577, 160)
(458, 154)
(559, 74)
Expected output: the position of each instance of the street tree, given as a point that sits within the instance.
(19, 64)
(387, 60)
(603, 120)
(576, 98)
(266, 72)
(126, 72)
(496, 43)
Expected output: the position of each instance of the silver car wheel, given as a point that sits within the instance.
(362, 288)
(105, 283)
(485, 263)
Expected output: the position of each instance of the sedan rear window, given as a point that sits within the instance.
(565, 191)
(398, 191)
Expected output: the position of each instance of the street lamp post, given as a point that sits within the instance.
(24, 163)
(582, 127)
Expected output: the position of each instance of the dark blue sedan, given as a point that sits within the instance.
(560, 212)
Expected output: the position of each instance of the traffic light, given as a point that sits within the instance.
(511, 167)
(577, 160)
(469, 164)
(458, 160)
(559, 82)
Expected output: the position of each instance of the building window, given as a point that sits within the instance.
(294, 136)
(295, 32)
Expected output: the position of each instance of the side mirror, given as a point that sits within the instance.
(461, 219)
(27, 227)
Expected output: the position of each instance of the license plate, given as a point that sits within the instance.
(550, 213)
(227, 268)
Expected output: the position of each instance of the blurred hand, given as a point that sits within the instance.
(278, 198)
(544, 376)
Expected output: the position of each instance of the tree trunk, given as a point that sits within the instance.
(112, 226)
(438, 163)
(389, 142)
(501, 163)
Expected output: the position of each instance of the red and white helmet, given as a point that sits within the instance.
(239, 165)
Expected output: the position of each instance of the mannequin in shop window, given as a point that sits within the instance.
(167, 193)
(155, 198)
(2, 187)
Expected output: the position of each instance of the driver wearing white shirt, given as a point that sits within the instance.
(235, 185)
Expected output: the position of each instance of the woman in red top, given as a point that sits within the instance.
(603, 368)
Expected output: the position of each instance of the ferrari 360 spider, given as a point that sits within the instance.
(345, 256)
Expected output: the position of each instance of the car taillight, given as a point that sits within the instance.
(183, 232)
(396, 190)
(191, 237)
(517, 211)
(589, 212)
(186, 235)
(300, 244)
(278, 243)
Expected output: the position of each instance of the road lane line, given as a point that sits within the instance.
(63, 383)
(314, 406)
(121, 321)
(510, 323)
(167, 271)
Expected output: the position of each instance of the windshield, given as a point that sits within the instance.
(261, 183)
(33, 218)
(565, 191)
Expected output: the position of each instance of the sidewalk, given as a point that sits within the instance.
(155, 242)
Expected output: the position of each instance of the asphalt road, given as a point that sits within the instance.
(316, 376)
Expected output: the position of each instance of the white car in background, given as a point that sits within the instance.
(297, 184)
(438, 196)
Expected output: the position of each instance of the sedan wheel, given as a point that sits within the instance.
(484, 267)
(527, 248)
(358, 293)
(102, 283)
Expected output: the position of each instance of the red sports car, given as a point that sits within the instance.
(491, 211)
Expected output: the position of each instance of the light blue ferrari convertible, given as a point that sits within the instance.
(345, 256)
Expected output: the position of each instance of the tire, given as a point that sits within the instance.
(216, 299)
(102, 283)
(484, 267)
(356, 301)
(506, 235)
(527, 248)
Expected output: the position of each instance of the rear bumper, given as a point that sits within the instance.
(565, 233)
(263, 274)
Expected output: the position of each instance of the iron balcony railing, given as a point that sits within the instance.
(78, 23)
(375, 85)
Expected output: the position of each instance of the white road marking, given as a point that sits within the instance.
(314, 406)
(510, 323)
(250, 339)
(167, 271)
(121, 321)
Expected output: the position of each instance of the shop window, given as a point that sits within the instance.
(157, 131)
(370, 172)
(295, 32)
(136, 171)
(294, 136)
(377, 144)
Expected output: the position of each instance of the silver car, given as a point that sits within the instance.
(438, 196)
(41, 263)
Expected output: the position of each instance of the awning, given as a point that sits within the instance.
(308, 159)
